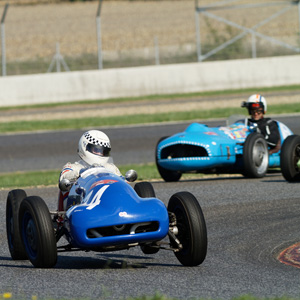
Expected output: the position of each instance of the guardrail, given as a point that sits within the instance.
(150, 80)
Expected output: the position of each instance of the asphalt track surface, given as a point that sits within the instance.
(249, 223)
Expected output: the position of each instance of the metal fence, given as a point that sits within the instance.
(111, 34)
(278, 12)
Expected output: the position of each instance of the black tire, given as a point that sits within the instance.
(37, 232)
(148, 249)
(144, 189)
(15, 245)
(289, 158)
(192, 232)
(166, 175)
(255, 156)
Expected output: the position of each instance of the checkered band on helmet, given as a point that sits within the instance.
(93, 140)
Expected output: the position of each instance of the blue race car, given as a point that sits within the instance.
(105, 213)
(236, 148)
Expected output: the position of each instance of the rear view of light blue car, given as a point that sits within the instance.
(236, 148)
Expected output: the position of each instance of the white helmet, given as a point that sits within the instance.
(94, 147)
(255, 101)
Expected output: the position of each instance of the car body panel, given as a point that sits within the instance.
(202, 148)
(111, 213)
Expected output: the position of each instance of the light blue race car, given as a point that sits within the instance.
(235, 148)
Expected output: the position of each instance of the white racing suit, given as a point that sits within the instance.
(71, 172)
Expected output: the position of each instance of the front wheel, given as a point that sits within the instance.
(255, 156)
(192, 233)
(16, 248)
(290, 158)
(37, 232)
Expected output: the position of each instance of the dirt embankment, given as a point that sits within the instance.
(32, 31)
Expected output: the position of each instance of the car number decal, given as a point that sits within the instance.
(86, 202)
(123, 214)
(97, 198)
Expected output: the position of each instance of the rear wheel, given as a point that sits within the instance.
(37, 232)
(255, 156)
(290, 158)
(166, 175)
(191, 226)
(16, 248)
(144, 189)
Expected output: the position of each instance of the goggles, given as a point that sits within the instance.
(98, 150)
(258, 111)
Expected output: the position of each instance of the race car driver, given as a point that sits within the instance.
(257, 107)
(93, 149)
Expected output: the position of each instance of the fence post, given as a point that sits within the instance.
(58, 59)
(156, 50)
(98, 24)
(57, 55)
(3, 46)
(299, 21)
(253, 45)
(198, 39)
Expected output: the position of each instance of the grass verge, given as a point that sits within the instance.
(26, 126)
(158, 296)
(47, 178)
